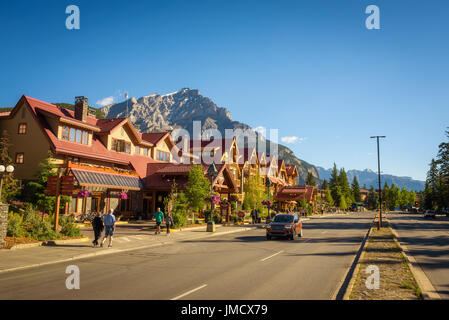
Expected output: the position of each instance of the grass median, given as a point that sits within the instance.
(396, 281)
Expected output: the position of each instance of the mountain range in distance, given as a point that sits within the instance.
(155, 113)
(370, 178)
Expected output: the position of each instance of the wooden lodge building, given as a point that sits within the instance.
(108, 157)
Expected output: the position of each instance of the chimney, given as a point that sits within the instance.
(81, 108)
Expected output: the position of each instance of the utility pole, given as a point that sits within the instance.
(379, 224)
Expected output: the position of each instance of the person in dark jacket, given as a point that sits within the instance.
(253, 216)
(168, 222)
(98, 226)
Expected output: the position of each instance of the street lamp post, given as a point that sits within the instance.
(379, 224)
(4, 170)
(212, 172)
(268, 185)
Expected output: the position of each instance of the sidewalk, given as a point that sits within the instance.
(12, 260)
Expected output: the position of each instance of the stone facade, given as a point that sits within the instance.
(3, 222)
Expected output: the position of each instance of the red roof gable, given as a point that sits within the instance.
(154, 137)
(97, 150)
(37, 105)
(107, 125)
(296, 193)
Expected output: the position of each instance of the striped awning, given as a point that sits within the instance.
(109, 180)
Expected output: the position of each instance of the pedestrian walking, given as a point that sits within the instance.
(109, 225)
(168, 222)
(253, 216)
(98, 226)
(159, 215)
(256, 213)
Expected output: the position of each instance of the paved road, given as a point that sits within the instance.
(235, 266)
(428, 242)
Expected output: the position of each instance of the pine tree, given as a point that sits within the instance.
(344, 185)
(325, 185)
(427, 201)
(343, 204)
(329, 200)
(310, 179)
(334, 186)
(356, 190)
(443, 162)
(433, 180)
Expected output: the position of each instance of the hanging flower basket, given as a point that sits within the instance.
(83, 194)
(267, 203)
(215, 199)
(122, 195)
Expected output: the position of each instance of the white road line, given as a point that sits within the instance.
(272, 255)
(126, 239)
(189, 292)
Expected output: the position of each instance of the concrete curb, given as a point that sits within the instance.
(107, 251)
(46, 243)
(428, 291)
(351, 276)
(61, 242)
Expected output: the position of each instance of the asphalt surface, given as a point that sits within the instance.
(242, 265)
(428, 242)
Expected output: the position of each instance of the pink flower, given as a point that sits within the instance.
(83, 194)
(122, 195)
(216, 199)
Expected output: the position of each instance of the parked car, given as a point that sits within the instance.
(429, 214)
(285, 225)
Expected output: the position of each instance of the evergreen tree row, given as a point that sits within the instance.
(342, 195)
(436, 191)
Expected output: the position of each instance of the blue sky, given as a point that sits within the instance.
(309, 68)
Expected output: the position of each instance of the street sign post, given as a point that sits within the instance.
(57, 186)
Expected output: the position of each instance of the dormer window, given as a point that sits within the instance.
(121, 146)
(163, 156)
(22, 129)
(75, 135)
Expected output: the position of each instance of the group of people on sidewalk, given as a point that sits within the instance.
(108, 223)
(159, 216)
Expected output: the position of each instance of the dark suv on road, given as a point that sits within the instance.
(285, 225)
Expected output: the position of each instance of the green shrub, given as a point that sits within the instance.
(68, 227)
(179, 219)
(37, 227)
(14, 228)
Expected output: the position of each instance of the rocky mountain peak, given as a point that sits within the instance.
(179, 109)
